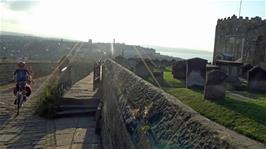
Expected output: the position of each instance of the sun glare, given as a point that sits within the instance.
(176, 23)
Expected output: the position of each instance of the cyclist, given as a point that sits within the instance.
(21, 76)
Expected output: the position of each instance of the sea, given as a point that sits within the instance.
(183, 53)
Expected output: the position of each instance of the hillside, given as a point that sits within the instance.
(16, 46)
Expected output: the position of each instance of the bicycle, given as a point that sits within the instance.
(20, 95)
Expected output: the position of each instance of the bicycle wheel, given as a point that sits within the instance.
(18, 103)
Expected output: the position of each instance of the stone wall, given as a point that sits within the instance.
(136, 114)
(78, 70)
(39, 69)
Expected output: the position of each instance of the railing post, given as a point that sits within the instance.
(94, 65)
(96, 75)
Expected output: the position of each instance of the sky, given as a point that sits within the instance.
(171, 23)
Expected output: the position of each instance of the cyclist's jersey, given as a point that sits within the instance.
(21, 74)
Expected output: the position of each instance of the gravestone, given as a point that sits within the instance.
(214, 85)
(230, 68)
(158, 76)
(144, 70)
(233, 69)
(195, 73)
(132, 63)
(179, 70)
(122, 61)
(161, 68)
(210, 67)
(165, 63)
(233, 83)
(245, 70)
(257, 79)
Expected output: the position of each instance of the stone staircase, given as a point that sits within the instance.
(76, 107)
(79, 104)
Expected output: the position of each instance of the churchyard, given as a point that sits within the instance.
(242, 111)
(222, 92)
(219, 92)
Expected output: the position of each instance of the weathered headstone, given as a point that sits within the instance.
(158, 76)
(257, 79)
(179, 70)
(122, 61)
(132, 63)
(195, 73)
(230, 68)
(165, 63)
(233, 83)
(161, 68)
(233, 69)
(143, 70)
(245, 69)
(210, 67)
(214, 85)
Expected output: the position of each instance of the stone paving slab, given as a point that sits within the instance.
(7, 107)
(30, 131)
(86, 146)
(78, 132)
(64, 139)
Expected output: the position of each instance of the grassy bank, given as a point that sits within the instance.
(246, 117)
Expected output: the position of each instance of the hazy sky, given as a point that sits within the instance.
(174, 23)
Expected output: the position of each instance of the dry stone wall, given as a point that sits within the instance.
(136, 114)
(39, 69)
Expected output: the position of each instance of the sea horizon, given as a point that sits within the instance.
(183, 53)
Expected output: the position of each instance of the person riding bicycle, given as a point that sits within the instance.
(21, 76)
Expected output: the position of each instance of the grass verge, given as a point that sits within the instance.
(47, 98)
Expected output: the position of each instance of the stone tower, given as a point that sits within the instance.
(238, 39)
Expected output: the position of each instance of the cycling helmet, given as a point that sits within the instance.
(21, 64)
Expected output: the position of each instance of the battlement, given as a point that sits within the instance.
(234, 18)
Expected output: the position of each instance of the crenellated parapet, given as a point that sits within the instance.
(234, 18)
(240, 38)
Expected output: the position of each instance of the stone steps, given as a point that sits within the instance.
(75, 113)
(86, 101)
(75, 106)
(72, 107)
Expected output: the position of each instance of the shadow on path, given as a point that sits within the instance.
(30, 131)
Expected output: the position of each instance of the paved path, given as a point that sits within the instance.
(20, 131)
(7, 107)
(75, 125)
(67, 131)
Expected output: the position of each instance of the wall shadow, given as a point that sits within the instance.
(248, 109)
